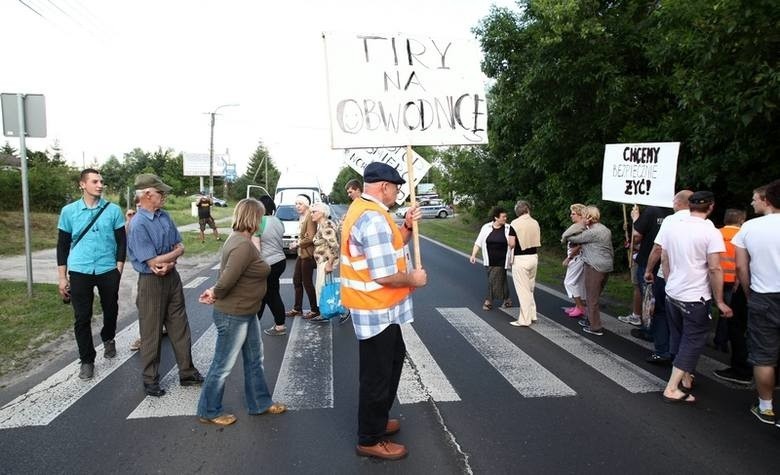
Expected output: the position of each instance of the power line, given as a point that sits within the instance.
(32, 9)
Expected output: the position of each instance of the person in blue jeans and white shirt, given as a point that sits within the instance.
(91, 252)
(236, 297)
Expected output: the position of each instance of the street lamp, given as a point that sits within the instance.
(211, 147)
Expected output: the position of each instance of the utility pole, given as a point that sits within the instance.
(211, 147)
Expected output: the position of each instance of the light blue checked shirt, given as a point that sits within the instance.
(372, 237)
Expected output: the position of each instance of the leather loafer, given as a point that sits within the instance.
(194, 380)
(383, 450)
(223, 420)
(392, 427)
(86, 371)
(154, 389)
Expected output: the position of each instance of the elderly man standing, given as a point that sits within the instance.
(690, 259)
(758, 263)
(528, 240)
(376, 286)
(91, 250)
(155, 245)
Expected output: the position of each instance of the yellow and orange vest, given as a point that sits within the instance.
(728, 259)
(358, 289)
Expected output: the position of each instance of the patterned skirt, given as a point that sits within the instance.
(498, 285)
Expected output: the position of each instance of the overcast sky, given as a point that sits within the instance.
(144, 73)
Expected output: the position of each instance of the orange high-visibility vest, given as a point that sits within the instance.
(358, 289)
(728, 259)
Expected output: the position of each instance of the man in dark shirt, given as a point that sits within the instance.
(204, 217)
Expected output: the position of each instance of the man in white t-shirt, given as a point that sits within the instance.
(690, 259)
(758, 265)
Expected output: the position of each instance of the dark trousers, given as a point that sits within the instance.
(689, 325)
(303, 279)
(660, 323)
(737, 329)
(160, 302)
(381, 361)
(272, 296)
(82, 296)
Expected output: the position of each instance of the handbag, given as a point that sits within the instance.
(648, 305)
(330, 299)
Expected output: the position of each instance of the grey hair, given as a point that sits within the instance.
(322, 208)
(522, 207)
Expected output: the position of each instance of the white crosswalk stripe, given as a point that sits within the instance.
(422, 377)
(195, 282)
(614, 367)
(180, 400)
(43, 403)
(527, 376)
(305, 379)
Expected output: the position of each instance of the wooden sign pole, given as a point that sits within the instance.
(413, 198)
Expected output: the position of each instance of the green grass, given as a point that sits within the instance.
(460, 231)
(26, 324)
(43, 232)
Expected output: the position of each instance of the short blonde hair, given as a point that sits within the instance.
(321, 207)
(247, 215)
(592, 214)
(578, 209)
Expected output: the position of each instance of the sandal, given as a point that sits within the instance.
(507, 303)
(487, 306)
(293, 313)
(310, 315)
(318, 319)
(276, 408)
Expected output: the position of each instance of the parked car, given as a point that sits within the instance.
(430, 209)
(219, 202)
(289, 218)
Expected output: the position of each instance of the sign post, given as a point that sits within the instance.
(29, 110)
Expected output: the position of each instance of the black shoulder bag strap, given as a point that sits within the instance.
(89, 226)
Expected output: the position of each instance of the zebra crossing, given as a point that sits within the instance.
(306, 377)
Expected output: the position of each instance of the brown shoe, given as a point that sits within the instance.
(293, 313)
(383, 450)
(223, 420)
(392, 427)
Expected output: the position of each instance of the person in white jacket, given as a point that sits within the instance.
(496, 245)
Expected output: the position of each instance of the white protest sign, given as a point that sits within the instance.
(357, 160)
(391, 90)
(641, 173)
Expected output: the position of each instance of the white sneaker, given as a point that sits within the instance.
(635, 320)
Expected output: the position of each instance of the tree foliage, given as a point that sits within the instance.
(256, 173)
(569, 76)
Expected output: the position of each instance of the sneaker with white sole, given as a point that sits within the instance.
(635, 320)
(593, 331)
(767, 416)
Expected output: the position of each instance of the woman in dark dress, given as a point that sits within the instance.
(496, 245)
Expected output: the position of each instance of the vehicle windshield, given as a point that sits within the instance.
(287, 213)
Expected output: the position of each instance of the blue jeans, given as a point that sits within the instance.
(234, 333)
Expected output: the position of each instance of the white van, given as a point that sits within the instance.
(291, 185)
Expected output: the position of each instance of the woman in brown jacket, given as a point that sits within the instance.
(305, 264)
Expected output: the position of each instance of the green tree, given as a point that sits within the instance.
(259, 162)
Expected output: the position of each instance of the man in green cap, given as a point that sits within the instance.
(155, 245)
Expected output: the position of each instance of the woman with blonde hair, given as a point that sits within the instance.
(304, 264)
(597, 258)
(573, 281)
(236, 298)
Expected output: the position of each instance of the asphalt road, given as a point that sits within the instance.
(478, 396)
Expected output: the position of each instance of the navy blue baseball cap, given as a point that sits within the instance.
(701, 197)
(378, 171)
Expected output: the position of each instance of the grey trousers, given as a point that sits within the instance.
(160, 302)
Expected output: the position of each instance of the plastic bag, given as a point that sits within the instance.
(648, 305)
(330, 299)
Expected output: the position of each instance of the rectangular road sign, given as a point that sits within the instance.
(34, 115)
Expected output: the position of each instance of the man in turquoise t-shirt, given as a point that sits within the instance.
(91, 251)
